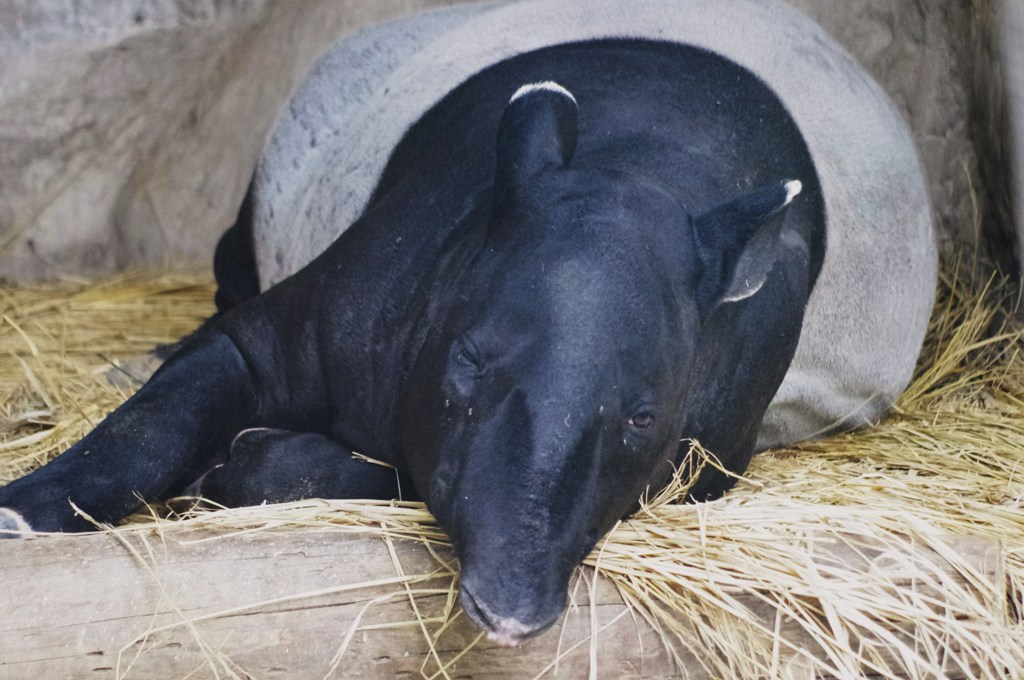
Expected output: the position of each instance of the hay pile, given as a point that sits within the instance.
(853, 555)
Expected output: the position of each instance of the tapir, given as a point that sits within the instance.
(613, 228)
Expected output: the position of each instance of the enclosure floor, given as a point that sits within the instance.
(916, 495)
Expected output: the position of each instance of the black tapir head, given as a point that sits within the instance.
(550, 392)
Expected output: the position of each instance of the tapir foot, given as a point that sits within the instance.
(133, 372)
(13, 525)
(180, 419)
(277, 466)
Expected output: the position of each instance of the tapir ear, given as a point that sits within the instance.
(538, 131)
(738, 242)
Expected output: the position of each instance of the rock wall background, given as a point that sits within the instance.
(129, 128)
(941, 62)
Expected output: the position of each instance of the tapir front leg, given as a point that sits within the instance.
(268, 465)
(191, 408)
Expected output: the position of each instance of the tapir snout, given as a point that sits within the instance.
(520, 510)
(508, 626)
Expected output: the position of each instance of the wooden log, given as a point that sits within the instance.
(76, 606)
(285, 605)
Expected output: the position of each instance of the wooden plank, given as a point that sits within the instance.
(282, 606)
(72, 604)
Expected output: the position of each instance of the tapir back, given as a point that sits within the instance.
(867, 315)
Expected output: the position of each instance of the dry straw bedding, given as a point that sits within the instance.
(890, 594)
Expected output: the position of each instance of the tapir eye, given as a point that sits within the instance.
(465, 367)
(468, 355)
(642, 420)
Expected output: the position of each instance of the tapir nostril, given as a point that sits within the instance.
(472, 609)
(504, 631)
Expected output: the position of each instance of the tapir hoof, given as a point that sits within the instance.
(12, 525)
(195, 489)
(133, 372)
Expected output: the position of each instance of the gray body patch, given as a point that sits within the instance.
(868, 313)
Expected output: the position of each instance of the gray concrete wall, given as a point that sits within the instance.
(128, 128)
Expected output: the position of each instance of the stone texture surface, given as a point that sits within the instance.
(934, 58)
(129, 128)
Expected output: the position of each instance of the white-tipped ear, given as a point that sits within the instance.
(737, 243)
(537, 132)
(546, 86)
(793, 188)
